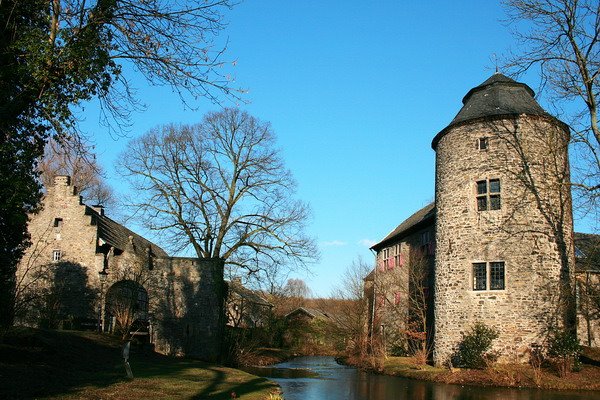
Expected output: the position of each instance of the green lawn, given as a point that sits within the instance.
(78, 365)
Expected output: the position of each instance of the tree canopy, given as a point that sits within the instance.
(57, 54)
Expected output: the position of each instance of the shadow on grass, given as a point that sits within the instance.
(37, 363)
(202, 381)
(45, 363)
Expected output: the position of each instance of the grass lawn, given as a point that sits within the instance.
(85, 365)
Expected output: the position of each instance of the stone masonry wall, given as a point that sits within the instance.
(523, 232)
(75, 237)
(188, 309)
(185, 294)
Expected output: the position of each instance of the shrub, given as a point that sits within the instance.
(473, 350)
(398, 350)
(564, 350)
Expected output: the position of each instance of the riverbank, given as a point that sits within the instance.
(87, 365)
(499, 375)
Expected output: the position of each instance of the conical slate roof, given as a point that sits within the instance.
(498, 95)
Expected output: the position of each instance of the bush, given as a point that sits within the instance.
(564, 350)
(398, 350)
(473, 350)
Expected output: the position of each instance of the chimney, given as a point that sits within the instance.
(99, 208)
(62, 180)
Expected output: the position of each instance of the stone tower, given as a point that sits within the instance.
(504, 251)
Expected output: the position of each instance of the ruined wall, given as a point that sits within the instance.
(525, 233)
(187, 307)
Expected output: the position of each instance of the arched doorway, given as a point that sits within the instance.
(126, 309)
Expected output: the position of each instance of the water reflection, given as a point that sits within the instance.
(331, 381)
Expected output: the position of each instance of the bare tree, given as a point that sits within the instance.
(354, 311)
(271, 279)
(77, 161)
(296, 287)
(402, 306)
(293, 294)
(417, 301)
(563, 41)
(127, 302)
(588, 286)
(219, 188)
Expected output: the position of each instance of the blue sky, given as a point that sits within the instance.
(355, 91)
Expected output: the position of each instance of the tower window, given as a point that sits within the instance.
(56, 255)
(488, 195)
(479, 276)
(482, 143)
(493, 270)
(497, 276)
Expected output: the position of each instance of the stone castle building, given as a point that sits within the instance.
(81, 263)
(497, 243)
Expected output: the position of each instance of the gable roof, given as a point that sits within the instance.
(247, 294)
(117, 236)
(497, 96)
(425, 216)
(311, 312)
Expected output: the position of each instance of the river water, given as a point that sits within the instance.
(321, 378)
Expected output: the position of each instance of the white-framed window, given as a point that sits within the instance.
(386, 259)
(489, 275)
(397, 250)
(488, 194)
(56, 255)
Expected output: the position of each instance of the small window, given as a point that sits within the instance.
(479, 276)
(397, 298)
(488, 195)
(425, 237)
(397, 249)
(58, 222)
(482, 143)
(494, 185)
(388, 261)
(56, 255)
(497, 276)
(482, 187)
